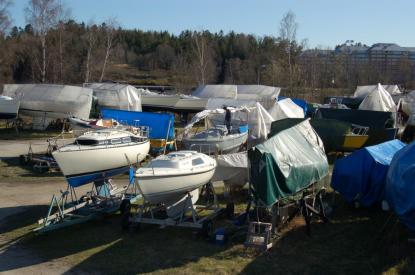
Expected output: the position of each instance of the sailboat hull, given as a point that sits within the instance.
(83, 166)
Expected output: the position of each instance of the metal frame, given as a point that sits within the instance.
(149, 214)
(69, 209)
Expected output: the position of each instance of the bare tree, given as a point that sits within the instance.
(288, 33)
(110, 32)
(91, 39)
(63, 16)
(202, 53)
(43, 15)
(5, 20)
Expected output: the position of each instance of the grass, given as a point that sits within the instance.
(364, 241)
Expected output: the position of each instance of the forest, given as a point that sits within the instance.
(54, 48)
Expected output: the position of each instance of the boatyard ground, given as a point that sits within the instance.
(367, 241)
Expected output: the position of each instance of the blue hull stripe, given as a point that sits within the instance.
(79, 180)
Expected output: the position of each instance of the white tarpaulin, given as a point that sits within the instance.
(378, 100)
(239, 92)
(51, 101)
(116, 96)
(286, 108)
(232, 169)
(363, 91)
(215, 91)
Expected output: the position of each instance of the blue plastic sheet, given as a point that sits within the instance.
(157, 123)
(361, 176)
(400, 185)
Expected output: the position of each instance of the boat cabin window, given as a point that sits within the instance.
(116, 141)
(126, 140)
(137, 139)
(197, 161)
(87, 142)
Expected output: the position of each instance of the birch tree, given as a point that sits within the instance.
(202, 54)
(43, 15)
(288, 33)
(91, 39)
(5, 20)
(110, 32)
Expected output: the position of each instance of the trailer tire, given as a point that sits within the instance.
(125, 220)
(207, 229)
(125, 206)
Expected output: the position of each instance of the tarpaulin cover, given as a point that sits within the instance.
(231, 166)
(240, 92)
(117, 96)
(378, 100)
(50, 100)
(289, 161)
(400, 185)
(286, 108)
(300, 102)
(157, 123)
(363, 91)
(361, 176)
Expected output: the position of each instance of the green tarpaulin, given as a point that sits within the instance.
(290, 160)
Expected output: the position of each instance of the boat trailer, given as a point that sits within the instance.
(104, 198)
(184, 213)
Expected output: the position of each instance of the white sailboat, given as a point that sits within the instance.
(168, 178)
(9, 107)
(100, 154)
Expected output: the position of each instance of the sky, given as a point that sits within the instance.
(324, 23)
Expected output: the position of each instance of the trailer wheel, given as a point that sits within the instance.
(125, 206)
(207, 229)
(125, 219)
(230, 210)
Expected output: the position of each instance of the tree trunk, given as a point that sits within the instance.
(43, 71)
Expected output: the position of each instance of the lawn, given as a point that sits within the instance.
(363, 241)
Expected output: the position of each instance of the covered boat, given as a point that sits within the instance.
(116, 96)
(168, 178)
(100, 154)
(400, 188)
(361, 176)
(291, 160)
(9, 107)
(46, 102)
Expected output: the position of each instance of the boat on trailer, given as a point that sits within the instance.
(9, 107)
(101, 154)
(170, 186)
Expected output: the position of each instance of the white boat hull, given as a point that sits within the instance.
(79, 163)
(224, 144)
(170, 188)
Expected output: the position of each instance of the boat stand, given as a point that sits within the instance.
(69, 209)
(188, 216)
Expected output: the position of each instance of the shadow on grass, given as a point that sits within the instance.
(356, 241)
(13, 218)
(18, 169)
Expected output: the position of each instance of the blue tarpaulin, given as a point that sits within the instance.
(157, 123)
(400, 185)
(361, 176)
(300, 102)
